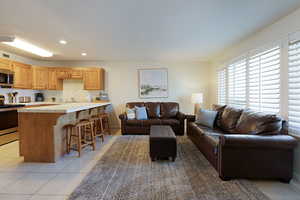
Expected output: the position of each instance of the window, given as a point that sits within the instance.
(264, 81)
(237, 84)
(222, 86)
(294, 87)
(253, 82)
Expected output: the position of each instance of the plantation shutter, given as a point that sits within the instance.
(222, 87)
(264, 81)
(237, 84)
(294, 87)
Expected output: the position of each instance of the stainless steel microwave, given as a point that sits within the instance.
(6, 78)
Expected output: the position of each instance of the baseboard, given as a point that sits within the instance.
(295, 183)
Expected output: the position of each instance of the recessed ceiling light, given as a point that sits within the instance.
(20, 44)
(63, 41)
(83, 54)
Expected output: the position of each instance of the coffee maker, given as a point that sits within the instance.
(39, 97)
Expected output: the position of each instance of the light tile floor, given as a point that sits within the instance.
(45, 181)
(42, 181)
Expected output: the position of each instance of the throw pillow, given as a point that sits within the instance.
(130, 112)
(229, 119)
(206, 117)
(141, 113)
(219, 109)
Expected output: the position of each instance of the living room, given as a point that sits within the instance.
(125, 100)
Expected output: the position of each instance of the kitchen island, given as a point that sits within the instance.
(42, 138)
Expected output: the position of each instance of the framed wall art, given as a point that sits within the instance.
(153, 83)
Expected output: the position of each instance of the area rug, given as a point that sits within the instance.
(125, 171)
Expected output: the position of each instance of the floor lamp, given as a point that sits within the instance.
(197, 99)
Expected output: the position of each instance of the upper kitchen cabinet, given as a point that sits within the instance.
(23, 75)
(76, 74)
(5, 64)
(69, 73)
(63, 73)
(93, 79)
(53, 82)
(40, 78)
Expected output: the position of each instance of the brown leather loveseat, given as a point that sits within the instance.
(245, 144)
(159, 113)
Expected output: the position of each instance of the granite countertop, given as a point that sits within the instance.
(62, 108)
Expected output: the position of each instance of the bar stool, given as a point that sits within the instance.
(104, 122)
(98, 132)
(84, 134)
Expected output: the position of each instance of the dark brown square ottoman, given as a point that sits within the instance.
(162, 142)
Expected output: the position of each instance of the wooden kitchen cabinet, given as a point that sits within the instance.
(76, 74)
(62, 73)
(5, 64)
(23, 75)
(53, 82)
(93, 79)
(40, 78)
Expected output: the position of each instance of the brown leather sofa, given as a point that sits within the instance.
(245, 144)
(159, 113)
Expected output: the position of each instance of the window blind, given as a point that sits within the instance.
(294, 87)
(264, 81)
(237, 83)
(222, 87)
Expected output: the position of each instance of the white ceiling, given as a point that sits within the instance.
(137, 29)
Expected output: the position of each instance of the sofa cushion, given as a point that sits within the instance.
(153, 109)
(229, 118)
(169, 109)
(219, 109)
(206, 117)
(257, 123)
(141, 113)
(151, 122)
(134, 122)
(170, 122)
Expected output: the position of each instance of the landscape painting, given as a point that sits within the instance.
(153, 83)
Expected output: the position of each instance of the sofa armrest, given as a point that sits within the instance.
(123, 116)
(181, 116)
(190, 118)
(256, 141)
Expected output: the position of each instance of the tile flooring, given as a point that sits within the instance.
(43, 181)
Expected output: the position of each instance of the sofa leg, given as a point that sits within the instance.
(285, 180)
(225, 178)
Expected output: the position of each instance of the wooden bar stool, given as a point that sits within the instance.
(80, 135)
(98, 132)
(104, 123)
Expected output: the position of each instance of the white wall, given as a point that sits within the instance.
(121, 82)
(277, 32)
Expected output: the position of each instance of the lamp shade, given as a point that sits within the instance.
(197, 98)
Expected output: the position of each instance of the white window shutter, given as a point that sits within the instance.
(222, 87)
(237, 84)
(294, 87)
(264, 81)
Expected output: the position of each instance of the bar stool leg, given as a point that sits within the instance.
(79, 141)
(67, 140)
(93, 136)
